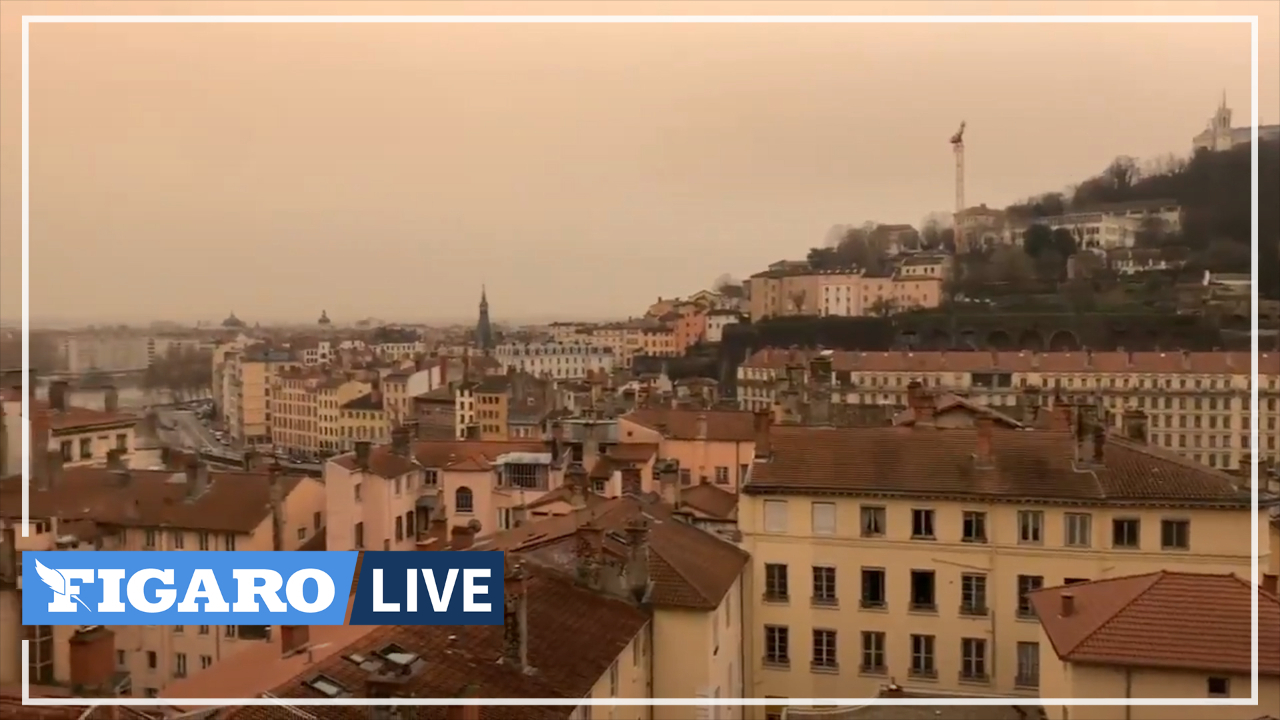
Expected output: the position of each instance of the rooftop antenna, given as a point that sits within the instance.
(957, 144)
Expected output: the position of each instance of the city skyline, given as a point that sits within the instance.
(678, 153)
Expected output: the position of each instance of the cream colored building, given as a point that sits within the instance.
(250, 374)
(1196, 403)
(190, 509)
(81, 436)
(306, 409)
(363, 419)
(911, 552)
(1160, 635)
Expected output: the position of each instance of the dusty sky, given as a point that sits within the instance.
(182, 171)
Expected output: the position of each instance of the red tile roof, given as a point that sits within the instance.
(476, 455)
(676, 424)
(73, 418)
(1163, 620)
(688, 567)
(1027, 465)
(575, 634)
(1023, 361)
(710, 501)
(233, 502)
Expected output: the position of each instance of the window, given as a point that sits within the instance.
(122, 441)
(1030, 527)
(1219, 687)
(359, 536)
(229, 631)
(1175, 534)
(399, 528)
(974, 527)
(229, 542)
(686, 476)
(463, 501)
(824, 585)
(315, 521)
(86, 448)
(202, 541)
(206, 661)
(1028, 665)
(824, 518)
(775, 582)
(151, 659)
(824, 650)
(922, 591)
(178, 629)
(973, 659)
(355, 492)
(872, 652)
(774, 712)
(204, 629)
(613, 679)
(302, 533)
(722, 475)
(922, 662)
(973, 594)
(775, 516)
(149, 539)
(873, 521)
(873, 588)
(1078, 529)
(1027, 584)
(776, 642)
(180, 665)
(1125, 533)
(922, 524)
(151, 692)
(40, 661)
(119, 659)
(65, 447)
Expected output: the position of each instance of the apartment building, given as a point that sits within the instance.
(785, 288)
(396, 398)
(624, 339)
(708, 446)
(862, 294)
(694, 592)
(717, 321)
(306, 408)
(563, 361)
(381, 498)
(363, 419)
(1196, 403)
(913, 552)
(114, 508)
(1164, 634)
(561, 638)
(249, 373)
(81, 436)
(659, 342)
(503, 407)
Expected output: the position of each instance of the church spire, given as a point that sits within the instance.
(484, 330)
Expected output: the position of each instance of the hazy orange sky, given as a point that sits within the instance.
(183, 171)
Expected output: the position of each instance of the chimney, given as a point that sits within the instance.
(1063, 417)
(1134, 422)
(982, 455)
(275, 497)
(589, 553)
(192, 470)
(52, 469)
(669, 485)
(443, 362)
(115, 460)
(763, 422)
(111, 399)
(93, 661)
(461, 537)
(362, 454)
(58, 395)
(515, 620)
(638, 558)
(1098, 442)
(464, 712)
(702, 426)
(294, 639)
(1068, 604)
(400, 441)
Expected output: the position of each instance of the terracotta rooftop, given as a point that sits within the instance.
(565, 493)
(232, 502)
(1162, 620)
(1025, 465)
(460, 455)
(632, 452)
(709, 501)
(73, 418)
(917, 712)
(575, 634)
(1212, 363)
(948, 402)
(722, 425)
(688, 567)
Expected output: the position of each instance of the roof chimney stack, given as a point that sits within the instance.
(461, 537)
(1068, 604)
(515, 620)
(589, 552)
(58, 395)
(763, 424)
(93, 661)
(638, 558)
(363, 448)
(982, 455)
(111, 399)
(702, 426)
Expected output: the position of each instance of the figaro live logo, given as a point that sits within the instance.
(263, 588)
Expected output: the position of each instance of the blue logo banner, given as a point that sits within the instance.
(430, 588)
(187, 588)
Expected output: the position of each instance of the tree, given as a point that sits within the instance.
(1065, 241)
(1007, 264)
(883, 307)
(1153, 231)
(1037, 240)
(183, 371)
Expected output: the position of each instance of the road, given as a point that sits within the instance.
(194, 434)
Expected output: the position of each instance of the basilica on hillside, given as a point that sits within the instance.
(1219, 135)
